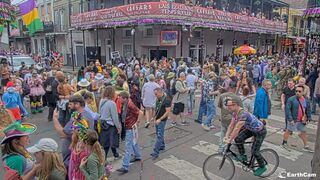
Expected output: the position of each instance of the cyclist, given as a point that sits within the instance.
(243, 126)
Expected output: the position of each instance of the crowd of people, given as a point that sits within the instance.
(100, 106)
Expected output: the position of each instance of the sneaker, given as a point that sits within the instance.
(259, 171)
(212, 127)
(146, 124)
(184, 123)
(134, 160)
(286, 147)
(117, 157)
(173, 124)
(307, 149)
(205, 127)
(242, 157)
(197, 121)
(122, 170)
(154, 156)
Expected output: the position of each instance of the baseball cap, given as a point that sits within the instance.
(44, 144)
(236, 100)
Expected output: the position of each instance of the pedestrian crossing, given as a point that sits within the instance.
(183, 169)
(292, 155)
(209, 149)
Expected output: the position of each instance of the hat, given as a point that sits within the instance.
(151, 77)
(83, 83)
(99, 76)
(44, 144)
(18, 129)
(171, 75)
(236, 99)
(10, 84)
(34, 72)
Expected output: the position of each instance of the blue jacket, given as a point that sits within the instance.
(261, 104)
(12, 99)
(292, 107)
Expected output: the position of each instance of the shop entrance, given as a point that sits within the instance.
(158, 54)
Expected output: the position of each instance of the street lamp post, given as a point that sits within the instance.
(133, 34)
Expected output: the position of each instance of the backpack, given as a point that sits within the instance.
(173, 88)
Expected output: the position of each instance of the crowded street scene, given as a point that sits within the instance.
(160, 90)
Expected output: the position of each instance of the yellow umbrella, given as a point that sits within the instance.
(244, 50)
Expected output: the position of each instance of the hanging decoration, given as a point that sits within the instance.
(175, 14)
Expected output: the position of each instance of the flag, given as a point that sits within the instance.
(30, 16)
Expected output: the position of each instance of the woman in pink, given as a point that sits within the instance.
(36, 93)
(78, 152)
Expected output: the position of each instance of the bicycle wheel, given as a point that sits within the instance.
(271, 160)
(217, 167)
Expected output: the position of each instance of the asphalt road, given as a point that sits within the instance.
(188, 146)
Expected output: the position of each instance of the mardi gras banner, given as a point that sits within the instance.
(29, 12)
(176, 14)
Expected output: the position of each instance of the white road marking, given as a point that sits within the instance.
(292, 155)
(209, 149)
(282, 119)
(183, 169)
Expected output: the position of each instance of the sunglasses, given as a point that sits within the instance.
(298, 91)
(230, 105)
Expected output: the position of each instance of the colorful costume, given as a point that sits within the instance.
(36, 93)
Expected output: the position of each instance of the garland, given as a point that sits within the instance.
(80, 124)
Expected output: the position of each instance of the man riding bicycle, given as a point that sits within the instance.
(243, 126)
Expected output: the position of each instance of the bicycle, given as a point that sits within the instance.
(221, 165)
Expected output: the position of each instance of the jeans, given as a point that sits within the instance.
(314, 102)
(202, 110)
(223, 132)
(51, 110)
(129, 148)
(190, 101)
(64, 116)
(256, 81)
(160, 138)
(211, 112)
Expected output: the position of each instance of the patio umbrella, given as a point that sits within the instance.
(244, 50)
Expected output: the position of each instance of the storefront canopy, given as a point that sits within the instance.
(312, 12)
(174, 14)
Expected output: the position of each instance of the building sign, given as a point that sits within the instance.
(168, 38)
(175, 14)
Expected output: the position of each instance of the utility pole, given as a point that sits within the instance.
(71, 38)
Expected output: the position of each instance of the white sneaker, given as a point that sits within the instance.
(212, 127)
(205, 127)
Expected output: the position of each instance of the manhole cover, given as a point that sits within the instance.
(172, 134)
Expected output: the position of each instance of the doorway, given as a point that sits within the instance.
(158, 54)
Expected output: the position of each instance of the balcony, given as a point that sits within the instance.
(149, 13)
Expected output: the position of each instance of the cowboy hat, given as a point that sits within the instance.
(83, 83)
(98, 77)
(18, 129)
(171, 75)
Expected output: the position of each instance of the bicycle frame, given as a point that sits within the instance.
(228, 151)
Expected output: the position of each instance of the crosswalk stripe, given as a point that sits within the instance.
(209, 149)
(183, 169)
(292, 155)
(282, 119)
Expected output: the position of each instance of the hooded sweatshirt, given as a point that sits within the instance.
(12, 100)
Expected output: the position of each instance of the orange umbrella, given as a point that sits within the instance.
(244, 50)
